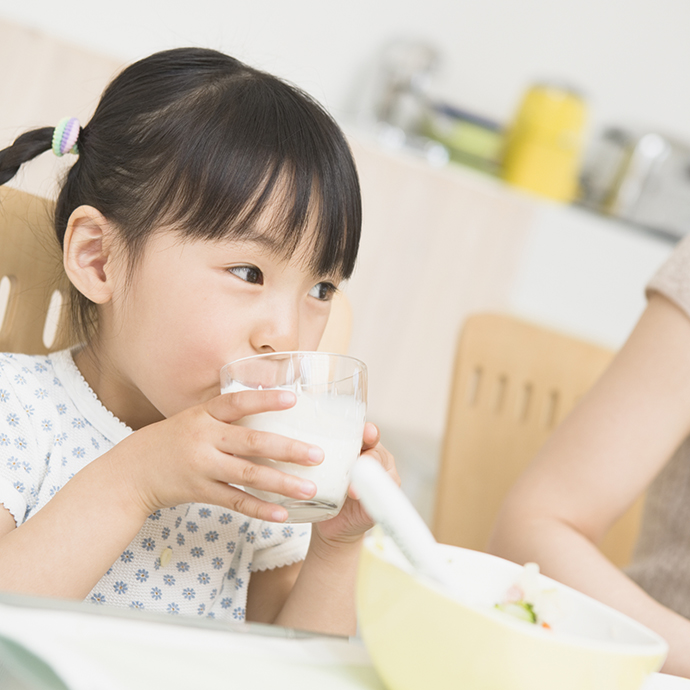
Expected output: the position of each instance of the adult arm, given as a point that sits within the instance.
(597, 462)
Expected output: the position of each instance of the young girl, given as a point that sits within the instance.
(210, 215)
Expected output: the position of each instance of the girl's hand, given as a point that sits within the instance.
(195, 456)
(353, 521)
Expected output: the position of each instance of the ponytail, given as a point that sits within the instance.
(25, 147)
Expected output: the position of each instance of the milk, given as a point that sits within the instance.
(334, 423)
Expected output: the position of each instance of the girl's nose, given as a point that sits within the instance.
(277, 332)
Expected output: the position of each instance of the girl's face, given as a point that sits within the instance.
(195, 305)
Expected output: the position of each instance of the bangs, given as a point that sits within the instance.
(264, 160)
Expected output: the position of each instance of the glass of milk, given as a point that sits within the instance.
(330, 413)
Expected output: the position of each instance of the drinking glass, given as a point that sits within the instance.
(330, 412)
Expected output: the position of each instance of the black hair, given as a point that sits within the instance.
(195, 140)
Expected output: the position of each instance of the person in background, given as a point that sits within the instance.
(628, 435)
(211, 214)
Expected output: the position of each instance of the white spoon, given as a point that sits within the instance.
(391, 509)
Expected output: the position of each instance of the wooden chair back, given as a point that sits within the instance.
(33, 286)
(513, 383)
(34, 289)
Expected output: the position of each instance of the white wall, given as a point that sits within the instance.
(584, 274)
(630, 56)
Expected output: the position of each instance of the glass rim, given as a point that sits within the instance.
(265, 355)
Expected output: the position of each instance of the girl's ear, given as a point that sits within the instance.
(88, 254)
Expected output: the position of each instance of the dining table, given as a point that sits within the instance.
(53, 644)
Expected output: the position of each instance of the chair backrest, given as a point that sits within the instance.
(513, 383)
(34, 289)
(33, 286)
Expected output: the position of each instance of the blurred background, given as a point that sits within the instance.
(630, 57)
(524, 156)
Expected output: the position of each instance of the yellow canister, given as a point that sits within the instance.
(544, 145)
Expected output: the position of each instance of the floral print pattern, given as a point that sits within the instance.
(51, 426)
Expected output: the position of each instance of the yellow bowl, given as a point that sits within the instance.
(420, 637)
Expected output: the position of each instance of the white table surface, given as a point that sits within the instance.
(90, 648)
(93, 648)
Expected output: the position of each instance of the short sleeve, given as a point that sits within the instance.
(281, 545)
(672, 280)
(12, 496)
(21, 467)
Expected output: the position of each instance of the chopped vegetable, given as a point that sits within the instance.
(526, 601)
(519, 609)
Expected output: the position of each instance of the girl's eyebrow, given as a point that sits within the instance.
(261, 241)
(265, 241)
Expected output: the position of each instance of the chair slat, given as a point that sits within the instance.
(513, 383)
(31, 259)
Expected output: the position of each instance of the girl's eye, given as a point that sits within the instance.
(250, 274)
(323, 291)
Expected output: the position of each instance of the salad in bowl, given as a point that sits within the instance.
(502, 627)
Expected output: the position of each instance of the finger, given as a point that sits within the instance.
(371, 436)
(230, 469)
(230, 407)
(235, 499)
(252, 443)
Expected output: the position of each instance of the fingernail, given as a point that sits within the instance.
(279, 515)
(287, 397)
(307, 489)
(315, 454)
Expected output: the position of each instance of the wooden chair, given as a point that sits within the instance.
(33, 286)
(34, 289)
(513, 383)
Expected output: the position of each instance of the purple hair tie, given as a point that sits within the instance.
(65, 136)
